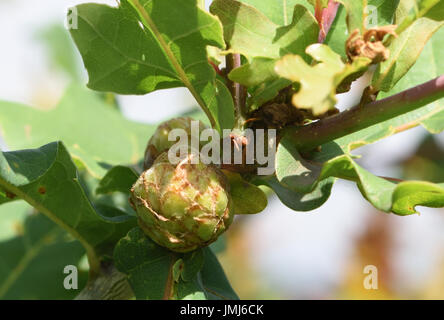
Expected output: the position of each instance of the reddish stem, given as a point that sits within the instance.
(310, 136)
(325, 18)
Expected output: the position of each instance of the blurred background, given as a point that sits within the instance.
(278, 254)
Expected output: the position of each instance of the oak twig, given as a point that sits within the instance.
(357, 118)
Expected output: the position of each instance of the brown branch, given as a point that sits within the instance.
(360, 117)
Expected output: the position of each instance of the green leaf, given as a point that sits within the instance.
(118, 179)
(361, 16)
(318, 82)
(32, 264)
(96, 135)
(155, 273)
(214, 282)
(192, 264)
(266, 92)
(427, 67)
(338, 34)
(295, 200)
(413, 10)
(255, 73)
(148, 266)
(279, 12)
(377, 132)
(355, 14)
(247, 198)
(410, 194)
(385, 129)
(385, 10)
(112, 205)
(143, 46)
(435, 124)
(47, 179)
(303, 175)
(250, 33)
(404, 51)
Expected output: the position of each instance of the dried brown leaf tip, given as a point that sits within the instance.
(370, 44)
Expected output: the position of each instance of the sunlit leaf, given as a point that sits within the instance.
(318, 82)
(248, 32)
(247, 198)
(280, 12)
(142, 46)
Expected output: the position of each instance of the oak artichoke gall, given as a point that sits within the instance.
(182, 207)
(159, 141)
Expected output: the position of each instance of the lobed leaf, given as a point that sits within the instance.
(156, 273)
(248, 32)
(88, 127)
(401, 198)
(318, 82)
(47, 179)
(142, 46)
